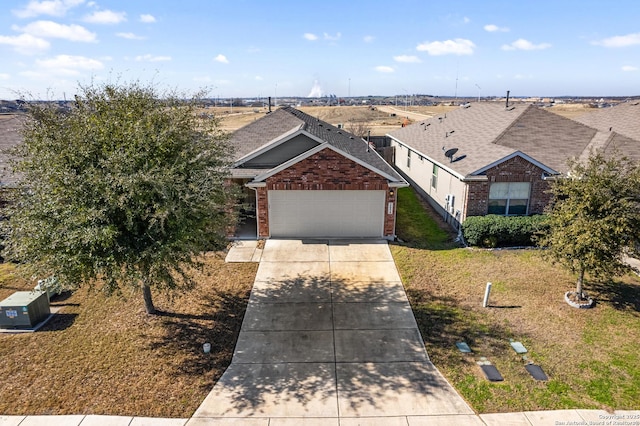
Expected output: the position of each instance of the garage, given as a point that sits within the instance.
(337, 213)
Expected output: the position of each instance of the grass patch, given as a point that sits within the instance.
(591, 356)
(104, 355)
(417, 228)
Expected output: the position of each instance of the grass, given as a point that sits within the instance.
(591, 356)
(104, 355)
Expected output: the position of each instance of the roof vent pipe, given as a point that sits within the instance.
(507, 105)
(368, 139)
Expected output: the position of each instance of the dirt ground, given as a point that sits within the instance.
(380, 119)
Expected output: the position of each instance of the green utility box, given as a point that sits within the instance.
(24, 309)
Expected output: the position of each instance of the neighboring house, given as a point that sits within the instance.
(485, 158)
(621, 123)
(10, 136)
(307, 178)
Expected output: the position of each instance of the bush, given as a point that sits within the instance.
(502, 231)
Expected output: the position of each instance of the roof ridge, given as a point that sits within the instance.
(513, 123)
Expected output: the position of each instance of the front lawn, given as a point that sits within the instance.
(591, 356)
(104, 355)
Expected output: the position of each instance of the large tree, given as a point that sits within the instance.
(125, 187)
(594, 218)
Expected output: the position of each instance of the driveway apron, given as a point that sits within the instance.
(329, 336)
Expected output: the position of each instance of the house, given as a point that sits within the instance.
(303, 177)
(10, 136)
(488, 158)
(621, 123)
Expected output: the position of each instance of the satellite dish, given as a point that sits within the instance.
(450, 153)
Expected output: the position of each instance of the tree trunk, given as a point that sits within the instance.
(148, 301)
(580, 282)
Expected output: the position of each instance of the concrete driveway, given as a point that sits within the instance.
(329, 338)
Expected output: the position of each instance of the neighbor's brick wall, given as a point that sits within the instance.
(515, 170)
(325, 170)
(262, 212)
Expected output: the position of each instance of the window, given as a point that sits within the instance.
(408, 158)
(509, 198)
(434, 177)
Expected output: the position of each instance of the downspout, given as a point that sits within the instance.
(463, 215)
(255, 190)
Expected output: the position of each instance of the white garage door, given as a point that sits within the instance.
(326, 213)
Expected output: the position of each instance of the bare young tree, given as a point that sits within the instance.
(359, 128)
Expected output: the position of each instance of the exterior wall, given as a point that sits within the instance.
(516, 169)
(471, 196)
(282, 153)
(420, 173)
(325, 170)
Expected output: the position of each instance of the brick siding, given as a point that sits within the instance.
(324, 170)
(516, 169)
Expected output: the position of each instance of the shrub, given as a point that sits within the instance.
(502, 231)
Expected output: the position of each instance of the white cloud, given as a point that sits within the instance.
(522, 44)
(130, 36)
(466, 20)
(50, 29)
(458, 46)
(332, 38)
(26, 44)
(69, 65)
(4, 76)
(619, 41)
(629, 68)
(409, 59)
(494, 28)
(221, 58)
(152, 58)
(47, 7)
(147, 19)
(310, 36)
(384, 69)
(259, 78)
(368, 38)
(106, 17)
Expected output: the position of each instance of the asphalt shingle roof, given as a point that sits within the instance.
(621, 125)
(255, 135)
(288, 120)
(485, 133)
(623, 119)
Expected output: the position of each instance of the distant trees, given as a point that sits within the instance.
(126, 188)
(595, 217)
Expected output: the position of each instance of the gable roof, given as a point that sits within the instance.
(284, 123)
(623, 118)
(620, 127)
(489, 133)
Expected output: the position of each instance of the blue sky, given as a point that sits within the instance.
(251, 48)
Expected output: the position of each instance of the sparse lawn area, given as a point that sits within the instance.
(591, 356)
(104, 355)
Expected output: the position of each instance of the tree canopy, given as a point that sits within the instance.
(594, 218)
(126, 187)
